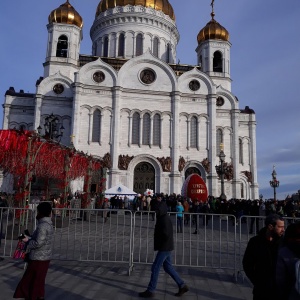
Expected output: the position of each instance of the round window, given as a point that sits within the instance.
(58, 88)
(220, 101)
(98, 76)
(194, 85)
(147, 76)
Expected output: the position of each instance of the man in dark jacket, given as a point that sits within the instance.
(260, 258)
(163, 244)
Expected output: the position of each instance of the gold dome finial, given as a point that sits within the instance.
(66, 14)
(213, 30)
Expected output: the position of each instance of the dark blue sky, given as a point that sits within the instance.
(265, 63)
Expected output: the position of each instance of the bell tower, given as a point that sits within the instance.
(64, 37)
(213, 52)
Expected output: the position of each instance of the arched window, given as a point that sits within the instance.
(136, 128)
(218, 62)
(219, 140)
(22, 127)
(139, 44)
(121, 45)
(241, 151)
(62, 46)
(156, 130)
(194, 133)
(146, 129)
(168, 57)
(242, 191)
(96, 126)
(155, 47)
(105, 47)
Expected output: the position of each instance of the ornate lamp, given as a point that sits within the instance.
(274, 183)
(221, 171)
(51, 127)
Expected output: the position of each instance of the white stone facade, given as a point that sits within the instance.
(149, 122)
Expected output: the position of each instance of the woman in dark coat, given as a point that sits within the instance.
(39, 248)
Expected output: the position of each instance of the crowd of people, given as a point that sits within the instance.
(237, 207)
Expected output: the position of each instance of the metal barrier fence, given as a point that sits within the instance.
(113, 235)
(206, 240)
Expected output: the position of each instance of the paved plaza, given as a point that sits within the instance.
(74, 280)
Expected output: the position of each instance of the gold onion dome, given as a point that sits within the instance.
(213, 31)
(66, 14)
(162, 5)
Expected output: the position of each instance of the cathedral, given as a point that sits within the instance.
(151, 121)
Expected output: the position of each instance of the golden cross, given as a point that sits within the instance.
(212, 8)
(212, 4)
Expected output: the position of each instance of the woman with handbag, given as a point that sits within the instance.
(39, 248)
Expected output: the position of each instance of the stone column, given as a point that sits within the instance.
(5, 123)
(175, 180)
(115, 129)
(37, 111)
(253, 163)
(212, 157)
(77, 90)
(236, 190)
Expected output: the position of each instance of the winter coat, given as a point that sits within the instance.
(179, 210)
(163, 232)
(40, 244)
(259, 263)
(285, 274)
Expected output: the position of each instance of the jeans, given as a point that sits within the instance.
(179, 224)
(163, 258)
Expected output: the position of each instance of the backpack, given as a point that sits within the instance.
(297, 270)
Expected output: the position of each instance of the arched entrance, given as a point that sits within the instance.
(192, 170)
(144, 177)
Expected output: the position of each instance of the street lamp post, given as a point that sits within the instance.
(221, 172)
(274, 183)
(52, 129)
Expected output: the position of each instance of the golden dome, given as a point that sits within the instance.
(66, 14)
(162, 5)
(213, 31)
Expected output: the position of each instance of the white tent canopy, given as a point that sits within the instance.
(120, 190)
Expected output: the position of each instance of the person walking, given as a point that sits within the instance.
(163, 244)
(259, 261)
(288, 255)
(39, 248)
